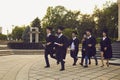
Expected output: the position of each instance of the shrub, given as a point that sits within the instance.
(3, 37)
(98, 40)
(68, 32)
(20, 45)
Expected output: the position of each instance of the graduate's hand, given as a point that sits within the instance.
(105, 48)
(60, 44)
(73, 49)
(56, 43)
(90, 45)
(48, 43)
(83, 49)
(53, 48)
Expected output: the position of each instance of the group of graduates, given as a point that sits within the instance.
(56, 46)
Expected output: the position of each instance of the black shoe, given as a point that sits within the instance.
(57, 62)
(81, 64)
(62, 69)
(96, 64)
(86, 66)
(47, 66)
(89, 63)
(74, 64)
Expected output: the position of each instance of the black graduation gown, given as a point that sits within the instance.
(90, 51)
(76, 43)
(106, 43)
(49, 48)
(61, 50)
(83, 48)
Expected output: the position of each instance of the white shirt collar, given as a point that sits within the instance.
(48, 34)
(89, 36)
(104, 38)
(60, 35)
(74, 38)
(72, 46)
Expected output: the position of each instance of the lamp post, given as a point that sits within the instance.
(12, 32)
(118, 1)
(7, 35)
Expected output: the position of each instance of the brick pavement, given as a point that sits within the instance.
(31, 67)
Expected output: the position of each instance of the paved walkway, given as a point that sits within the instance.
(31, 67)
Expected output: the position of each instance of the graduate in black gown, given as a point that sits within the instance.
(74, 47)
(90, 48)
(106, 48)
(83, 49)
(49, 48)
(61, 45)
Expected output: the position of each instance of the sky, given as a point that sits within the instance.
(22, 12)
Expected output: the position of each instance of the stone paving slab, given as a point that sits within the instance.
(11, 66)
(115, 62)
(38, 72)
(31, 67)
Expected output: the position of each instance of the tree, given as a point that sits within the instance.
(36, 23)
(3, 37)
(68, 32)
(54, 16)
(17, 33)
(71, 19)
(25, 35)
(86, 22)
(107, 18)
(42, 34)
(60, 16)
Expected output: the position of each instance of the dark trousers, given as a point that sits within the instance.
(62, 64)
(87, 57)
(46, 57)
(61, 60)
(83, 57)
(95, 58)
(74, 54)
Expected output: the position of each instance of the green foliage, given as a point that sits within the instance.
(68, 32)
(98, 39)
(25, 35)
(54, 16)
(42, 34)
(36, 23)
(60, 16)
(87, 22)
(3, 37)
(71, 19)
(107, 18)
(74, 20)
(101, 19)
(17, 32)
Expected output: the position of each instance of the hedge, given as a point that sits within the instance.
(21, 45)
